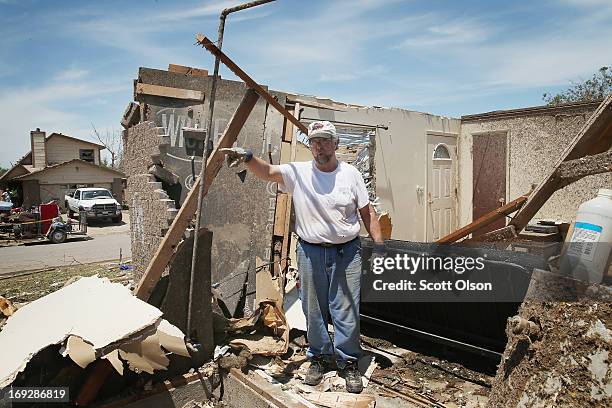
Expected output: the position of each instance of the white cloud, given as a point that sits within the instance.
(364, 72)
(48, 107)
(435, 31)
(71, 74)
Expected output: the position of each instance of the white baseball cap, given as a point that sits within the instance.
(322, 128)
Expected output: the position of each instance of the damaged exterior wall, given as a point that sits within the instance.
(151, 210)
(241, 230)
(535, 139)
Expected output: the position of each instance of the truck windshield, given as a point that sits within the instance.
(92, 195)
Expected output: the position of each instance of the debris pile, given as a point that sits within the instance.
(558, 350)
(90, 319)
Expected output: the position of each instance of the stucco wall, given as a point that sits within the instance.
(535, 141)
(400, 159)
(151, 210)
(240, 214)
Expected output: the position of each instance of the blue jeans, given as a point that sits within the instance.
(330, 281)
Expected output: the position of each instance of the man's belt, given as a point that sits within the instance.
(328, 244)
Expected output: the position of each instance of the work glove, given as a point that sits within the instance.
(379, 252)
(237, 155)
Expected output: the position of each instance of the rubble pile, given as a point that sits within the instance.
(90, 319)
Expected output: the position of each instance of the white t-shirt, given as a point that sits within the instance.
(326, 203)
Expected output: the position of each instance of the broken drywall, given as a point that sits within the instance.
(91, 317)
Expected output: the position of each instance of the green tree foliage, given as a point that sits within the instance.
(2, 170)
(596, 88)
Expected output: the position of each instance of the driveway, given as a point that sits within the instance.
(105, 242)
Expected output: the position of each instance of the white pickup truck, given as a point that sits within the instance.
(97, 202)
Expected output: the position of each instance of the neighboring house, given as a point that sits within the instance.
(58, 163)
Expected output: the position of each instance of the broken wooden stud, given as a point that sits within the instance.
(484, 221)
(499, 235)
(210, 46)
(573, 170)
(168, 92)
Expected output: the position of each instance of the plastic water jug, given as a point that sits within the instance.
(588, 251)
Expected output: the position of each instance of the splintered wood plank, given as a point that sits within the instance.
(280, 213)
(286, 233)
(287, 131)
(573, 170)
(182, 69)
(483, 221)
(168, 92)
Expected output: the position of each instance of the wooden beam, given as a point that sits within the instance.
(594, 137)
(168, 92)
(286, 232)
(210, 46)
(191, 71)
(502, 234)
(287, 131)
(310, 104)
(484, 221)
(185, 215)
(570, 171)
(280, 213)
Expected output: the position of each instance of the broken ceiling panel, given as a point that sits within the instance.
(80, 351)
(172, 338)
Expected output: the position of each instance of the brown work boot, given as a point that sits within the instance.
(352, 376)
(314, 375)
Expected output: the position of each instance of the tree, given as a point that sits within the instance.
(2, 170)
(113, 143)
(596, 88)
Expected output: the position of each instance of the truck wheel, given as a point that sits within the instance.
(118, 219)
(58, 236)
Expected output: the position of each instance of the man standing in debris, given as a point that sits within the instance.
(328, 198)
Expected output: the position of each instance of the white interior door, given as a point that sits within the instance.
(441, 186)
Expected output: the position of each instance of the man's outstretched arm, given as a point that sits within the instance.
(265, 170)
(260, 168)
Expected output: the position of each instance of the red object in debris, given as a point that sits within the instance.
(48, 212)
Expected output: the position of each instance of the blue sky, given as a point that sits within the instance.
(67, 64)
